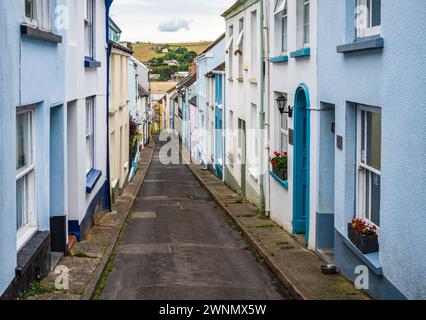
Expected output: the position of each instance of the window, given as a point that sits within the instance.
(89, 9)
(254, 45)
(90, 136)
(230, 51)
(281, 26)
(26, 220)
(369, 163)
(284, 132)
(284, 30)
(368, 18)
(306, 16)
(38, 14)
(240, 49)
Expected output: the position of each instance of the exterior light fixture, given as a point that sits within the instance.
(283, 107)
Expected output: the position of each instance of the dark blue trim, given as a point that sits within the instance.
(283, 183)
(371, 260)
(91, 64)
(91, 179)
(305, 52)
(362, 45)
(74, 229)
(278, 59)
(325, 230)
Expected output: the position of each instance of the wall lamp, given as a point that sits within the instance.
(282, 103)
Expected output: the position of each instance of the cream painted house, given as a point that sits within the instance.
(118, 117)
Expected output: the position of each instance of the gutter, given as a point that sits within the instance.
(262, 111)
(108, 52)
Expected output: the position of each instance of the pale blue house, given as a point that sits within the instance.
(33, 153)
(372, 135)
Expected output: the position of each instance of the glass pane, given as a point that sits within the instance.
(23, 156)
(306, 23)
(284, 142)
(362, 137)
(284, 122)
(21, 202)
(375, 198)
(29, 9)
(376, 12)
(367, 195)
(284, 33)
(374, 138)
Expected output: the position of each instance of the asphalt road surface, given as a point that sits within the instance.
(180, 246)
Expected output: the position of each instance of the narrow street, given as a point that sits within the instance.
(178, 245)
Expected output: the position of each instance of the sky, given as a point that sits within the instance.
(168, 21)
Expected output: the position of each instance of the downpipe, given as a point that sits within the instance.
(262, 111)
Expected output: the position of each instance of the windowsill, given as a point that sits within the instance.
(240, 79)
(279, 59)
(371, 43)
(283, 183)
(371, 260)
(90, 63)
(36, 33)
(91, 179)
(301, 53)
(31, 249)
(230, 79)
(253, 80)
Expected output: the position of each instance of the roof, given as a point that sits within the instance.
(193, 101)
(219, 68)
(120, 47)
(237, 7)
(213, 44)
(187, 82)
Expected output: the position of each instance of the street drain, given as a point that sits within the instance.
(90, 250)
(144, 215)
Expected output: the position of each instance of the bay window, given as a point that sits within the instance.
(368, 18)
(26, 219)
(38, 14)
(369, 163)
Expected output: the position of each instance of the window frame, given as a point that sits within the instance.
(306, 23)
(283, 132)
(28, 172)
(41, 17)
(366, 31)
(90, 133)
(363, 169)
(230, 51)
(89, 29)
(284, 35)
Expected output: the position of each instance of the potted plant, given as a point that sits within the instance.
(279, 165)
(363, 235)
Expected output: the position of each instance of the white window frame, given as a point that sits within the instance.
(283, 132)
(25, 232)
(90, 133)
(363, 168)
(89, 28)
(284, 34)
(306, 23)
(364, 20)
(230, 51)
(41, 17)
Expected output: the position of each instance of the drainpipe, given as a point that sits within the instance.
(108, 53)
(262, 111)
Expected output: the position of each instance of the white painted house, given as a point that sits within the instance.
(85, 96)
(293, 81)
(243, 101)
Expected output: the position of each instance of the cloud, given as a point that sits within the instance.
(174, 25)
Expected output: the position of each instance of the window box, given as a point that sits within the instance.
(283, 183)
(365, 243)
(280, 172)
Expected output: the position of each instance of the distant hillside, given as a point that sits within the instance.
(146, 51)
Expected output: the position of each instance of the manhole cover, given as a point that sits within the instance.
(90, 250)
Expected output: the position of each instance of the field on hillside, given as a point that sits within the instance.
(146, 51)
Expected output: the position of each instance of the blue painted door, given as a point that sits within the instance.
(301, 162)
(218, 127)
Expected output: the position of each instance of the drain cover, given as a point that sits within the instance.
(144, 215)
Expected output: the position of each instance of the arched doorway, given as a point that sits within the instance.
(301, 162)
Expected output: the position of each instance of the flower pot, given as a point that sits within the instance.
(365, 243)
(280, 173)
